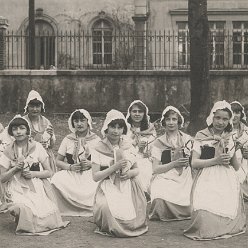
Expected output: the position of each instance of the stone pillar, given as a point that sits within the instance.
(3, 27)
(140, 17)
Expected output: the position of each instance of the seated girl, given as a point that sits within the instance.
(73, 185)
(41, 127)
(218, 208)
(24, 172)
(5, 140)
(172, 181)
(120, 203)
(142, 133)
(240, 134)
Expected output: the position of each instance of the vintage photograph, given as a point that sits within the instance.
(123, 123)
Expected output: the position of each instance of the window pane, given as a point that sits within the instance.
(97, 59)
(237, 25)
(102, 42)
(237, 48)
(108, 59)
(245, 25)
(97, 36)
(182, 25)
(97, 47)
(237, 59)
(220, 25)
(107, 48)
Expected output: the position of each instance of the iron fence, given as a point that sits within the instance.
(158, 50)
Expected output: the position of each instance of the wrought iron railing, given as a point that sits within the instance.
(158, 50)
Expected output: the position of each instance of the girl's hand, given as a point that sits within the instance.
(75, 167)
(85, 165)
(121, 164)
(27, 174)
(147, 154)
(19, 166)
(50, 130)
(224, 159)
(44, 144)
(245, 152)
(126, 175)
(181, 162)
(142, 145)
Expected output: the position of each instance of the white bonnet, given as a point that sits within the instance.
(113, 115)
(32, 96)
(167, 109)
(18, 117)
(85, 113)
(243, 110)
(133, 103)
(219, 106)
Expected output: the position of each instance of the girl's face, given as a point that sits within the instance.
(236, 117)
(220, 120)
(80, 125)
(34, 109)
(137, 114)
(20, 132)
(171, 122)
(114, 132)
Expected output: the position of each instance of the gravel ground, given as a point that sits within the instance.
(80, 233)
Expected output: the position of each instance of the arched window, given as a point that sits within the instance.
(44, 45)
(102, 42)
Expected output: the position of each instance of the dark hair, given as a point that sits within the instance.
(228, 128)
(236, 108)
(119, 122)
(144, 125)
(18, 122)
(36, 103)
(168, 113)
(77, 116)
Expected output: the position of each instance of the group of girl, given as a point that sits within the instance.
(113, 179)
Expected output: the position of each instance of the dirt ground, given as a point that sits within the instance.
(80, 233)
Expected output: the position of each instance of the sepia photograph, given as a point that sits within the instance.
(123, 123)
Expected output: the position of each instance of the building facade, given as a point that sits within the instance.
(118, 34)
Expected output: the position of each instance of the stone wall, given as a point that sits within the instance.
(100, 91)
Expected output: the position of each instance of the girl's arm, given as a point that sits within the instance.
(52, 141)
(65, 166)
(46, 173)
(197, 163)
(99, 175)
(234, 162)
(61, 164)
(159, 168)
(133, 172)
(6, 175)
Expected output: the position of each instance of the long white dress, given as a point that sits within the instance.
(31, 200)
(75, 191)
(120, 206)
(241, 141)
(143, 159)
(218, 209)
(170, 191)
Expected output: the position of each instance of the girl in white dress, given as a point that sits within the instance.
(41, 127)
(120, 203)
(142, 133)
(5, 140)
(172, 181)
(218, 208)
(240, 134)
(24, 172)
(74, 186)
